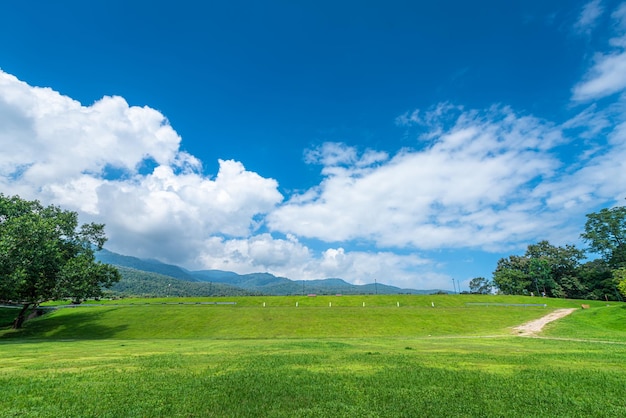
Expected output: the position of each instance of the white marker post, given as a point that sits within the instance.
(296, 304)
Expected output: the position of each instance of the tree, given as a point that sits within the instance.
(480, 285)
(605, 232)
(544, 268)
(597, 278)
(511, 275)
(619, 276)
(45, 255)
(555, 269)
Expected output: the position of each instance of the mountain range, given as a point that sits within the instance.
(145, 277)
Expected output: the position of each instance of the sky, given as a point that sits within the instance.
(409, 142)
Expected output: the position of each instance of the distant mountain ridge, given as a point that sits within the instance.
(253, 283)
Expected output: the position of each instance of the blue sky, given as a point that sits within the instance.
(409, 142)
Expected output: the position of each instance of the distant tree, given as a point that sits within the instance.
(45, 255)
(555, 269)
(605, 233)
(480, 285)
(512, 276)
(544, 268)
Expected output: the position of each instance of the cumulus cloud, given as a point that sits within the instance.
(61, 152)
(122, 165)
(492, 179)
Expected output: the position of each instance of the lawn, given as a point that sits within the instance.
(315, 361)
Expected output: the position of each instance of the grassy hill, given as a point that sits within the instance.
(397, 316)
(327, 356)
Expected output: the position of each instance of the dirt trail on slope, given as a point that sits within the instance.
(533, 327)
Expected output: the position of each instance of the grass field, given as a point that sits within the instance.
(315, 360)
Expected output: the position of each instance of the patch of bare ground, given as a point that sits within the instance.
(533, 327)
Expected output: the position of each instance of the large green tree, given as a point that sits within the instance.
(46, 255)
(543, 269)
(605, 233)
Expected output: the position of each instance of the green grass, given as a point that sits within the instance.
(603, 323)
(315, 360)
(320, 317)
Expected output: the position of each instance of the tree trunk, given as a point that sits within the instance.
(21, 317)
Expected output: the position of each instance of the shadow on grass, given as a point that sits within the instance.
(80, 325)
(7, 316)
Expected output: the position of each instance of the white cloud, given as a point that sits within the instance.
(290, 258)
(588, 17)
(59, 151)
(488, 179)
(470, 187)
(607, 76)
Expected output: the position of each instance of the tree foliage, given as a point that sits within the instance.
(605, 233)
(480, 285)
(45, 255)
(149, 284)
(619, 276)
(544, 269)
(558, 272)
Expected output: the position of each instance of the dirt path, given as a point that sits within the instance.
(533, 327)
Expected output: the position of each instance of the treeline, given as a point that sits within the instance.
(147, 284)
(553, 271)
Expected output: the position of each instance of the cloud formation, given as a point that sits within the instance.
(607, 75)
(123, 165)
(490, 179)
(472, 184)
(290, 258)
(588, 17)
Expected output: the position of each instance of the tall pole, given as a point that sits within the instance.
(453, 286)
(375, 286)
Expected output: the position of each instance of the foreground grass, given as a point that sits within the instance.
(315, 360)
(284, 378)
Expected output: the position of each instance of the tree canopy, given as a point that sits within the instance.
(558, 272)
(45, 255)
(605, 232)
(480, 285)
(544, 269)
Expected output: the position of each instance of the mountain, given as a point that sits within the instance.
(148, 284)
(153, 266)
(210, 281)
